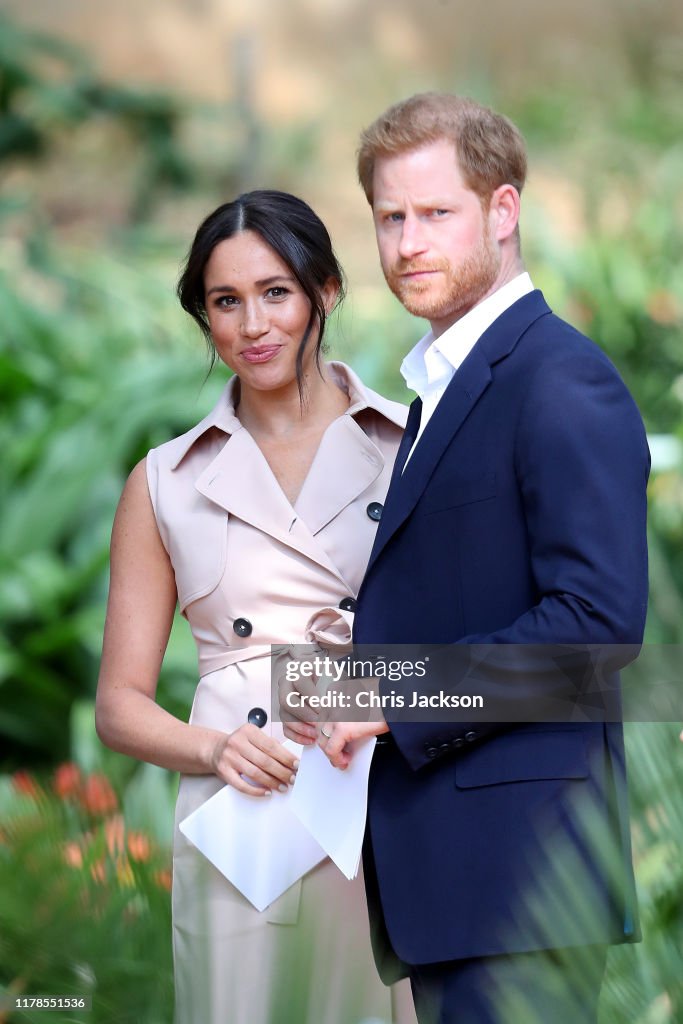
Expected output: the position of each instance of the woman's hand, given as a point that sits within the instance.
(250, 754)
(295, 691)
(304, 733)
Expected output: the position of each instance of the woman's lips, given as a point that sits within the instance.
(260, 354)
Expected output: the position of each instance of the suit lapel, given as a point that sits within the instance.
(469, 383)
(460, 397)
(408, 439)
(392, 500)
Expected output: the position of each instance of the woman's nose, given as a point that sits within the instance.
(254, 322)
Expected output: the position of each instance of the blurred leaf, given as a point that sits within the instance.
(86, 749)
(150, 800)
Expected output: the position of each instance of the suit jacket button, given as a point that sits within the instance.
(374, 510)
(257, 716)
(348, 604)
(470, 737)
(457, 742)
(444, 748)
(242, 627)
(431, 751)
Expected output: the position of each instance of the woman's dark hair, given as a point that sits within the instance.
(292, 229)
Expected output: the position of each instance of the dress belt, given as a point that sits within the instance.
(214, 661)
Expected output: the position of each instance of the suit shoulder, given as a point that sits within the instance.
(559, 338)
(568, 375)
(556, 347)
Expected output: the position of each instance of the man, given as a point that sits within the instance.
(516, 516)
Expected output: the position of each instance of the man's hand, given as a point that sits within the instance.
(335, 738)
(306, 723)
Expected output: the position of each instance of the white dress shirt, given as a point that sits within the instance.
(429, 367)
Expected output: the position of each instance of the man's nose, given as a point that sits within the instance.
(413, 238)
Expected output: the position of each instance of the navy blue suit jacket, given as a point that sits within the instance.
(519, 519)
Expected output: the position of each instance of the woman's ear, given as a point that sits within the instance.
(330, 294)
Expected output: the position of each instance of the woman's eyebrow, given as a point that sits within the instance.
(263, 283)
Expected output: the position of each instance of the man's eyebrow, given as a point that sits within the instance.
(428, 202)
(264, 282)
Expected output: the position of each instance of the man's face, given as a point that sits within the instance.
(436, 244)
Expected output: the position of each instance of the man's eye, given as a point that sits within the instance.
(440, 213)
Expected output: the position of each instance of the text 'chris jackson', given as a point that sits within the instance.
(370, 699)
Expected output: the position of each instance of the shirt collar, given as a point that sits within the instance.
(223, 415)
(433, 361)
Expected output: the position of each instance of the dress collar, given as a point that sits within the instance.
(224, 418)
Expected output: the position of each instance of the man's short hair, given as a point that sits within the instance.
(490, 149)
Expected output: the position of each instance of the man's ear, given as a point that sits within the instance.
(504, 211)
(330, 294)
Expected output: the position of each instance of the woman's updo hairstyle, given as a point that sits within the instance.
(292, 229)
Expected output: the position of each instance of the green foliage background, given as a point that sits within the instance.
(97, 365)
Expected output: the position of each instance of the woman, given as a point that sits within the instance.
(259, 523)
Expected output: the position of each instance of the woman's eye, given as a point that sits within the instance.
(225, 301)
(278, 292)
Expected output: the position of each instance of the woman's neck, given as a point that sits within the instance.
(283, 413)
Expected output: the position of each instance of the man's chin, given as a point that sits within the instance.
(418, 301)
(426, 307)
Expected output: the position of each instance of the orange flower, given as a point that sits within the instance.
(26, 783)
(114, 832)
(163, 878)
(67, 779)
(73, 855)
(98, 871)
(139, 846)
(97, 795)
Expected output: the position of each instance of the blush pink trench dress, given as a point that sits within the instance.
(252, 570)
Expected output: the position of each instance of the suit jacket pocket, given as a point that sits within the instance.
(523, 757)
(452, 493)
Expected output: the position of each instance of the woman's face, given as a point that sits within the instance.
(257, 312)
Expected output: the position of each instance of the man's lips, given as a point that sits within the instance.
(260, 353)
(422, 272)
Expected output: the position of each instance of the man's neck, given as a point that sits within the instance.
(510, 268)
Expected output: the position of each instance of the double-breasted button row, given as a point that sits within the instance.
(242, 627)
(433, 750)
(257, 716)
(374, 510)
